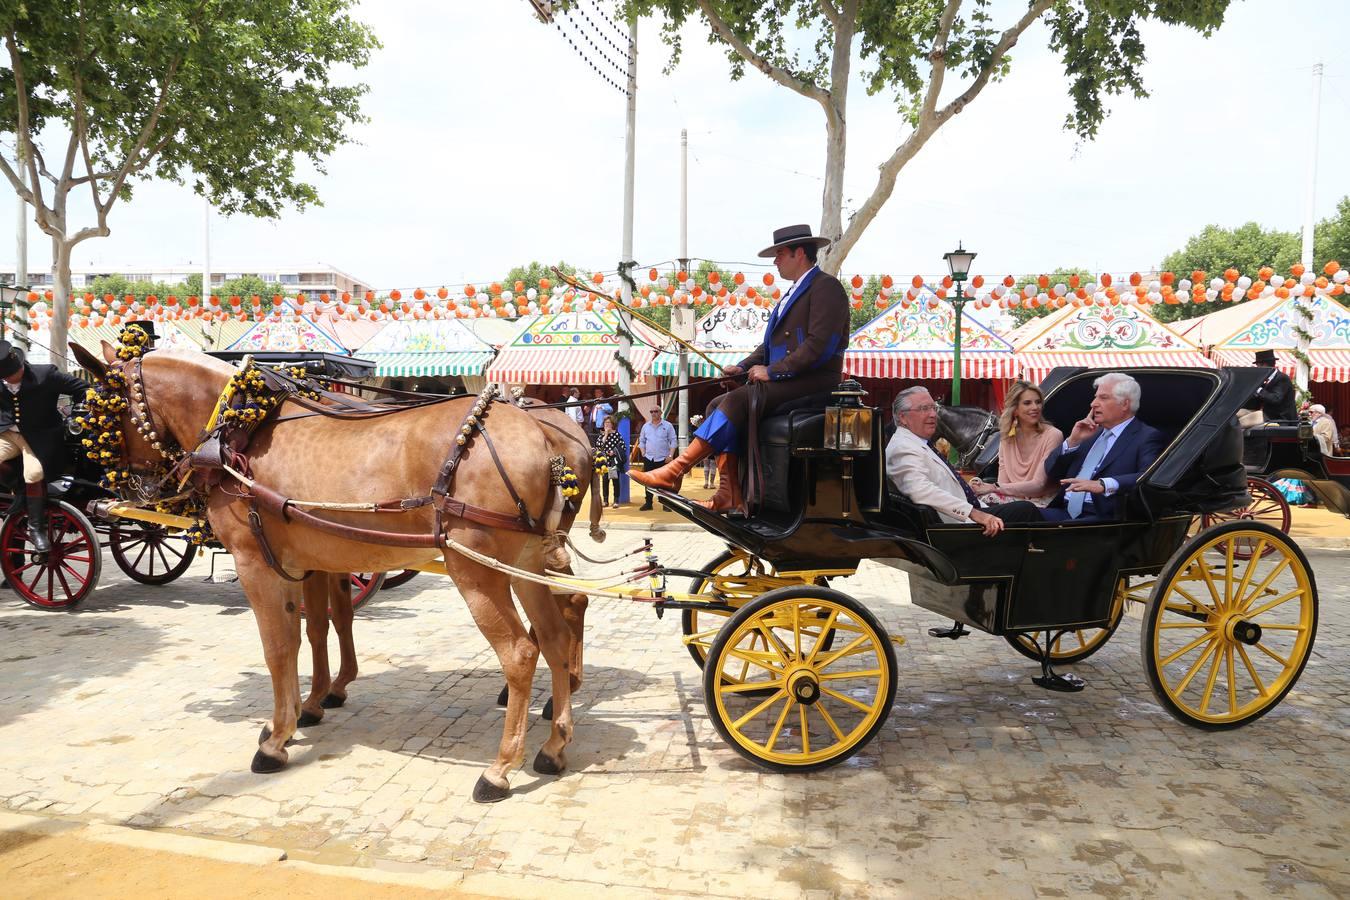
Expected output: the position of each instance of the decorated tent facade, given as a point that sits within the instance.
(727, 335)
(442, 349)
(1104, 337)
(1276, 328)
(576, 348)
(290, 332)
(919, 341)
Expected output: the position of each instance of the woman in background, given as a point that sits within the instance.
(1025, 440)
(611, 456)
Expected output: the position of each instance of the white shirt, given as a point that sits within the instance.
(1110, 435)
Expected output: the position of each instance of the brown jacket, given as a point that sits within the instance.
(811, 335)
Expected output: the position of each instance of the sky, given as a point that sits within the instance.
(491, 143)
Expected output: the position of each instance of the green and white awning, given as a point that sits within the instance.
(429, 365)
(667, 363)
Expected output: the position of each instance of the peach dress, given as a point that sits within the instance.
(1021, 467)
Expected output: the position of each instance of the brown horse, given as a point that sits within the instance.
(329, 595)
(359, 461)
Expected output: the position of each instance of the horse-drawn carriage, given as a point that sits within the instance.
(799, 676)
(149, 546)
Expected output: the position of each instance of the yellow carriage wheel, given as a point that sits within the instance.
(737, 578)
(785, 701)
(1230, 625)
(1078, 644)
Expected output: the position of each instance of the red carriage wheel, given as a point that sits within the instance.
(398, 579)
(364, 586)
(62, 577)
(1268, 505)
(149, 553)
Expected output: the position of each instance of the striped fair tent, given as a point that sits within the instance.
(1104, 337)
(727, 334)
(918, 342)
(573, 348)
(290, 332)
(1273, 328)
(427, 348)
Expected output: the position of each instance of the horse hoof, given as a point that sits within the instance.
(332, 701)
(308, 719)
(487, 792)
(266, 765)
(546, 765)
(503, 696)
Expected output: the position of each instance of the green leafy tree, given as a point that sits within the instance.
(531, 273)
(230, 94)
(1331, 240)
(911, 50)
(1215, 249)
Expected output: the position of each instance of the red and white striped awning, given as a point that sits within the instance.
(1035, 366)
(934, 365)
(1327, 365)
(566, 365)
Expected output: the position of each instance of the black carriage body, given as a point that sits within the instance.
(829, 509)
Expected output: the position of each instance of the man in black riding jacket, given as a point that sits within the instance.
(1275, 396)
(31, 427)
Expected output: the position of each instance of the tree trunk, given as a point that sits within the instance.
(60, 301)
(832, 197)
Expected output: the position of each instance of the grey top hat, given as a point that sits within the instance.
(793, 236)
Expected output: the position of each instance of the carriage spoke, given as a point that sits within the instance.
(778, 726)
(777, 695)
(1184, 624)
(829, 720)
(1208, 635)
(806, 731)
(1208, 578)
(1232, 681)
(829, 623)
(840, 676)
(1248, 573)
(1251, 670)
(1209, 682)
(739, 686)
(762, 660)
(65, 586)
(1191, 600)
(771, 640)
(840, 654)
(144, 549)
(1272, 604)
(843, 698)
(1195, 668)
(1272, 654)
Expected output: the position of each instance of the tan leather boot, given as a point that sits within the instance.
(670, 476)
(728, 497)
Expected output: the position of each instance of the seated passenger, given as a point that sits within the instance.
(1324, 429)
(923, 475)
(1105, 453)
(1025, 441)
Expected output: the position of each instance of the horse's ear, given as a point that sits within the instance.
(109, 352)
(88, 361)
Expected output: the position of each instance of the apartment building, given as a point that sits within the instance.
(311, 280)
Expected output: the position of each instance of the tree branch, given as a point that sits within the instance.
(930, 121)
(1005, 43)
(780, 75)
(82, 129)
(827, 6)
(25, 134)
(937, 57)
(130, 164)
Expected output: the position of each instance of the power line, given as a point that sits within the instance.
(602, 16)
(585, 35)
(584, 58)
(623, 51)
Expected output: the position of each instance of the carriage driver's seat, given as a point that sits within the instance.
(797, 423)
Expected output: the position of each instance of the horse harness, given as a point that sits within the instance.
(221, 451)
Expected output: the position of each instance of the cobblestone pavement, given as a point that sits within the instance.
(142, 708)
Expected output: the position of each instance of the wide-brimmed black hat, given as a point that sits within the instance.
(1265, 357)
(11, 359)
(793, 236)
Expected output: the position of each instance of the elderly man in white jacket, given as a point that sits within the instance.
(920, 473)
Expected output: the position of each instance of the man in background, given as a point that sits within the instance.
(657, 442)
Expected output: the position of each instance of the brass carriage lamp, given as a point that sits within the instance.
(958, 264)
(848, 424)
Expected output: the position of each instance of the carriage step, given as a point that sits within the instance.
(957, 631)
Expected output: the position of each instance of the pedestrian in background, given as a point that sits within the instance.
(657, 443)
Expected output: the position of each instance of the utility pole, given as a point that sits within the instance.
(20, 317)
(206, 263)
(1301, 376)
(626, 260)
(682, 316)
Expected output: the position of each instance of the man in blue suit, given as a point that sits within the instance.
(1104, 455)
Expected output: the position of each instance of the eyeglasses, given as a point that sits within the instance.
(926, 408)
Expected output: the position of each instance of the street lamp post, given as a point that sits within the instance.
(958, 264)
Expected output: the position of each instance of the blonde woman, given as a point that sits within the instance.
(1025, 440)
